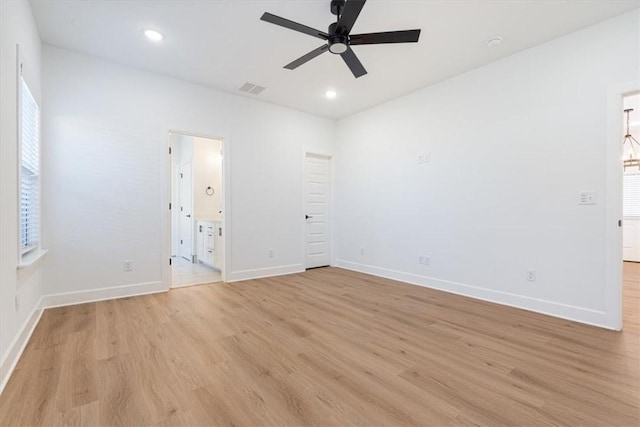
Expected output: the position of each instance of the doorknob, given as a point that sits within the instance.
(188, 216)
(307, 217)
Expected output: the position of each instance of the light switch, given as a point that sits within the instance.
(587, 198)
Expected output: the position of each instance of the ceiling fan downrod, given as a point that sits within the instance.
(336, 7)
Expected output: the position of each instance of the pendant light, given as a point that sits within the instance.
(633, 159)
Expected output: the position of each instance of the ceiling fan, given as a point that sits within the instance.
(339, 38)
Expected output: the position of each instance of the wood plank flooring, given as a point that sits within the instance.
(326, 347)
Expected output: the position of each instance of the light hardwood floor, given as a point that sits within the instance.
(325, 347)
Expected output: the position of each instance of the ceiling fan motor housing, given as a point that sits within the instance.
(337, 42)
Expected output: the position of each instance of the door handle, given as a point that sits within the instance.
(307, 217)
(188, 216)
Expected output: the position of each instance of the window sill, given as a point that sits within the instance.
(31, 258)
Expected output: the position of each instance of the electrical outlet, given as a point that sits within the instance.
(271, 253)
(361, 251)
(17, 302)
(423, 158)
(424, 260)
(531, 275)
(126, 265)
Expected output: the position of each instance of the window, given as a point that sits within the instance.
(631, 196)
(29, 128)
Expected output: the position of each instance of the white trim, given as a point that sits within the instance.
(166, 218)
(102, 294)
(32, 258)
(11, 357)
(551, 308)
(226, 206)
(24, 253)
(260, 273)
(19, 146)
(613, 206)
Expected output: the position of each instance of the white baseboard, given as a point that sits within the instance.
(102, 294)
(17, 346)
(551, 308)
(259, 273)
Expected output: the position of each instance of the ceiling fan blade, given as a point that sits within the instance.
(353, 63)
(268, 17)
(349, 15)
(308, 57)
(407, 36)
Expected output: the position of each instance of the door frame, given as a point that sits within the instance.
(192, 220)
(329, 157)
(613, 204)
(166, 192)
(633, 226)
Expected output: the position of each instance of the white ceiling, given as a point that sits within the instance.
(223, 44)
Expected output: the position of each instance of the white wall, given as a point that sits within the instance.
(207, 171)
(511, 145)
(16, 27)
(107, 167)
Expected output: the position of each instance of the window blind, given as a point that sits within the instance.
(631, 198)
(29, 170)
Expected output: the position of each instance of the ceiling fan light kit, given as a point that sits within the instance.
(633, 159)
(338, 36)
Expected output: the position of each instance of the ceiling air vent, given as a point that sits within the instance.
(251, 88)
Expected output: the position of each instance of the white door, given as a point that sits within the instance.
(631, 222)
(186, 203)
(317, 200)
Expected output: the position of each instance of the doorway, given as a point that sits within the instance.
(631, 214)
(317, 204)
(631, 181)
(197, 197)
(614, 312)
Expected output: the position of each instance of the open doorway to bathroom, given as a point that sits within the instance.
(631, 213)
(197, 247)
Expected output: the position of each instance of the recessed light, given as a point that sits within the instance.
(153, 35)
(494, 41)
(331, 94)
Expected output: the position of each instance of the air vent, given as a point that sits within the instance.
(251, 88)
(246, 87)
(257, 89)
